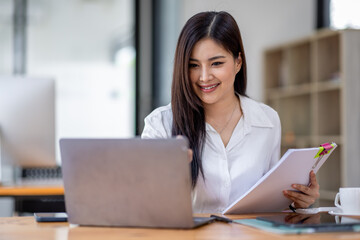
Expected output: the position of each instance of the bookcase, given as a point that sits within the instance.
(314, 85)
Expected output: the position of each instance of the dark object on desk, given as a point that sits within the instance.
(320, 222)
(51, 217)
(222, 219)
(201, 221)
(32, 204)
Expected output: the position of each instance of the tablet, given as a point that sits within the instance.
(320, 221)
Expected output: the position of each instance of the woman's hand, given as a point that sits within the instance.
(307, 195)
(190, 155)
(190, 151)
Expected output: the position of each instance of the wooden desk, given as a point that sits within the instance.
(35, 198)
(24, 190)
(26, 228)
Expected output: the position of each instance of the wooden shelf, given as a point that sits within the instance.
(301, 89)
(313, 84)
(328, 85)
(289, 91)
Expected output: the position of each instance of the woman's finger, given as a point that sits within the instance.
(312, 190)
(300, 199)
(313, 181)
(190, 155)
(190, 151)
(301, 203)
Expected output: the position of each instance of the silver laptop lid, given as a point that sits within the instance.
(127, 182)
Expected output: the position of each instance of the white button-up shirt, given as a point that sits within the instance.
(230, 171)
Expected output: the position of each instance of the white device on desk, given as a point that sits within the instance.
(27, 122)
(128, 182)
(50, 217)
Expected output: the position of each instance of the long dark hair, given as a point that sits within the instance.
(187, 108)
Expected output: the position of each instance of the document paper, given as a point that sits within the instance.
(266, 195)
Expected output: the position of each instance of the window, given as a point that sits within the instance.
(88, 46)
(344, 14)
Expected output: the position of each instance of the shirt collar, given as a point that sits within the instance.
(254, 115)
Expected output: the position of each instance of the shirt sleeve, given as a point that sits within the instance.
(275, 156)
(155, 126)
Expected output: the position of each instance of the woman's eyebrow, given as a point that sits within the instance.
(210, 59)
(193, 59)
(216, 57)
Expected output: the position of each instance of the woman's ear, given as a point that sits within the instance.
(238, 63)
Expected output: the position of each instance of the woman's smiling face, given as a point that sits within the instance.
(212, 71)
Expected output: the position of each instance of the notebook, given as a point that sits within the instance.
(128, 183)
(294, 167)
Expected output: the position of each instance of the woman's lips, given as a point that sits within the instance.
(209, 88)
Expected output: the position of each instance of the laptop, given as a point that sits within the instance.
(128, 183)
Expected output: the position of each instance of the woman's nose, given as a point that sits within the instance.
(205, 74)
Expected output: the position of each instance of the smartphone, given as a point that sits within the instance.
(51, 217)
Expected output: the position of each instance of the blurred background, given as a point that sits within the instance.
(109, 64)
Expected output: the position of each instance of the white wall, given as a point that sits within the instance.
(263, 23)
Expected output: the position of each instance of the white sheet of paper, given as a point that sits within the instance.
(266, 195)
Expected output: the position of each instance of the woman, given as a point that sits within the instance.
(234, 140)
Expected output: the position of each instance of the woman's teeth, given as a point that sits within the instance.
(207, 88)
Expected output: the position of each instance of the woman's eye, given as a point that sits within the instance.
(217, 63)
(192, 65)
